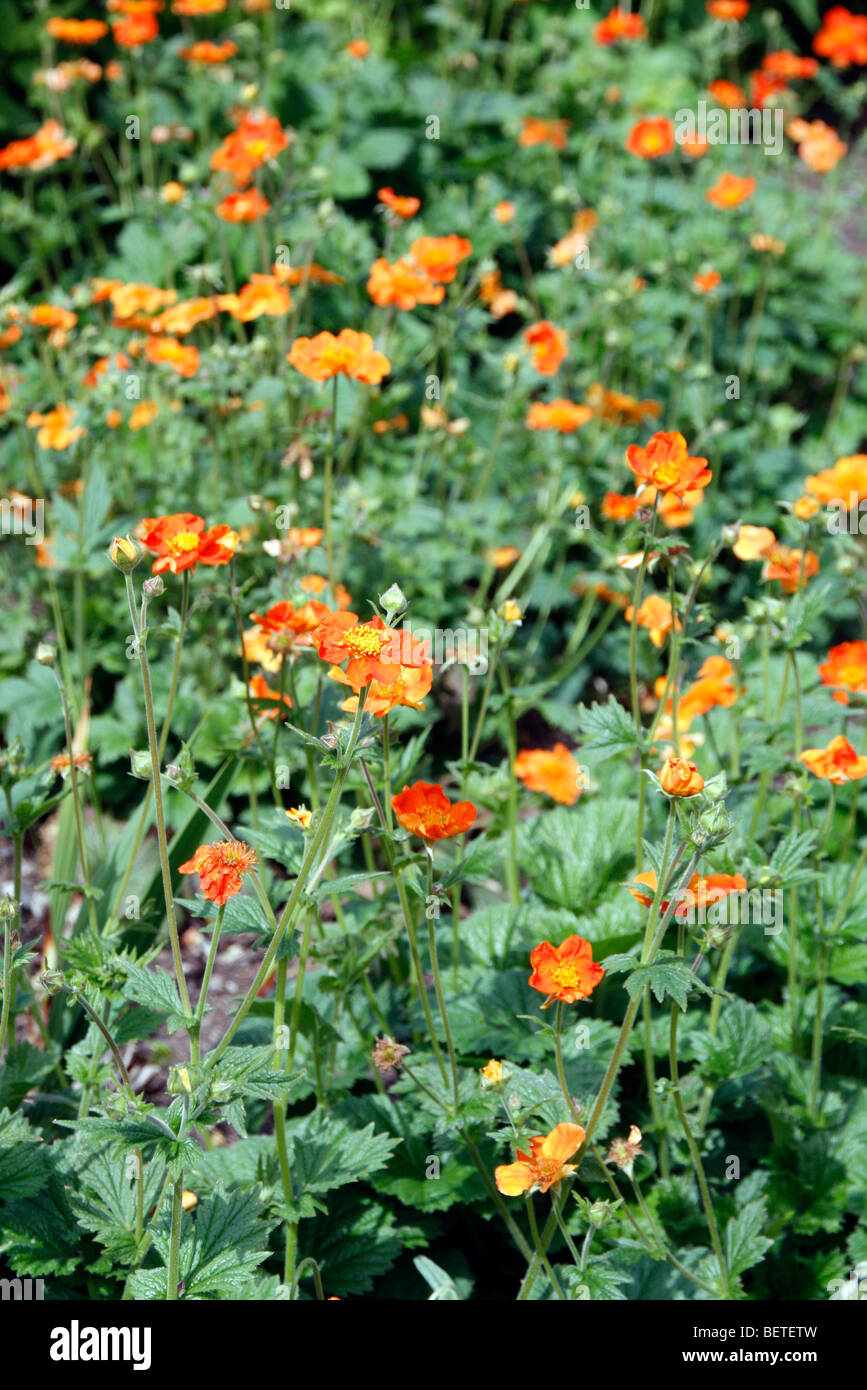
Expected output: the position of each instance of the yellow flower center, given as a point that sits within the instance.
(364, 641)
(567, 975)
(183, 542)
(665, 475)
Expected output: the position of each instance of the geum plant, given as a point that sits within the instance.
(683, 952)
(607, 1048)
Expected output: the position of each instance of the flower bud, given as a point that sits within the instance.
(679, 777)
(46, 655)
(141, 765)
(8, 909)
(124, 554)
(393, 602)
(52, 981)
(153, 587)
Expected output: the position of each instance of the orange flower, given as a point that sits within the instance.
(184, 360)
(754, 542)
(358, 48)
(544, 1166)
(46, 147)
(130, 301)
(81, 31)
(221, 868)
(293, 625)
(561, 415)
(675, 510)
(788, 65)
(569, 248)
(257, 138)
(710, 888)
(728, 10)
(618, 407)
(706, 282)
(400, 204)
(409, 686)
(102, 365)
(173, 192)
(665, 463)
(180, 319)
(56, 430)
(424, 809)
(262, 295)
(678, 777)
(566, 973)
(618, 508)
(247, 205)
(205, 51)
(83, 763)
(502, 556)
(181, 542)
(729, 191)
(350, 353)
(143, 414)
(727, 94)
(694, 147)
(372, 650)
(52, 316)
(700, 891)
(134, 7)
(764, 86)
(761, 241)
(842, 37)
(550, 770)
(838, 763)
(619, 26)
(651, 137)
(790, 567)
(548, 345)
(402, 284)
(504, 212)
(846, 666)
(397, 422)
(819, 145)
(655, 615)
(713, 687)
(298, 275)
(536, 132)
(439, 256)
(500, 301)
(198, 7)
(135, 30)
(842, 486)
(260, 690)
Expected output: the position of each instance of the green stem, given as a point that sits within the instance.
(141, 647)
(696, 1156)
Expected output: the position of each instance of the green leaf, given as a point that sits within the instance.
(24, 1166)
(155, 989)
(667, 976)
(328, 1153)
(742, 1044)
(385, 148)
(744, 1244)
(606, 729)
(571, 853)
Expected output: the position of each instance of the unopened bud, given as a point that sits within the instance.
(141, 765)
(124, 554)
(46, 655)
